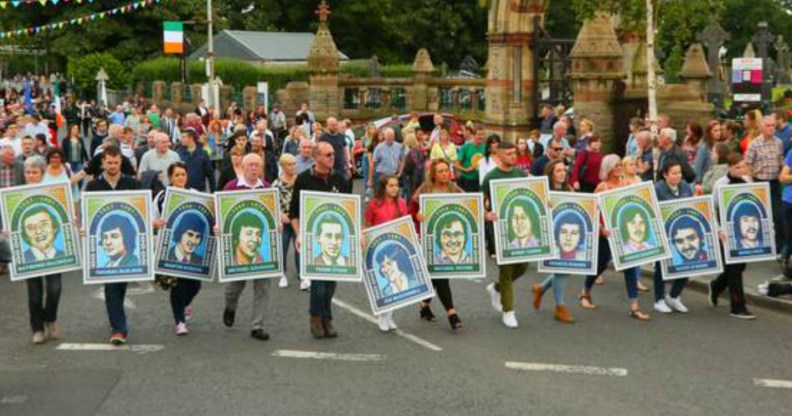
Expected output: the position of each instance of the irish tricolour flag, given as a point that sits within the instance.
(174, 37)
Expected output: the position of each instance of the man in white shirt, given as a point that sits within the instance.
(159, 159)
(36, 126)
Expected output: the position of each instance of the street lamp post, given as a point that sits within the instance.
(210, 62)
(650, 68)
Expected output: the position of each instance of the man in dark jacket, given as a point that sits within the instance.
(669, 151)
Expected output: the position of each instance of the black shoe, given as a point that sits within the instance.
(426, 313)
(743, 315)
(711, 296)
(259, 334)
(455, 322)
(228, 317)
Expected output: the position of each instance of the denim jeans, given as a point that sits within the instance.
(42, 310)
(289, 238)
(557, 282)
(603, 258)
(182, 295)
(322, 298)
(659, 285)
(631, 281)
(786, 249)
(114, 302)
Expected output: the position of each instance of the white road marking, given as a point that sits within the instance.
(568, 369)
(18, 399)
(777, 384)
(410, 337)
(327, 355)
(139, 348)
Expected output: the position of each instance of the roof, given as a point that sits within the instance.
(261, 46)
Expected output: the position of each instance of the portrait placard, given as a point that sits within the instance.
(746, 216)
(394, 267)
(576, 234)
(250, 240)
(691, 231)
(632, 216)
(186, 247)
(523, 230)
(40, 222)
(118, 237)
(452, 237)
(330, 231)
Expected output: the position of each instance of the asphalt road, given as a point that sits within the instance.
(703, 363)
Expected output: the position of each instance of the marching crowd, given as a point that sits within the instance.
(139, 146)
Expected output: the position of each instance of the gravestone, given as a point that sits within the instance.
(762, 39)
(713, 37)
(374, 67)
(782, 61)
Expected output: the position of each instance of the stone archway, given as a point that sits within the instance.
(510, 77)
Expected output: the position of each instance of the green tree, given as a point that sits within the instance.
(84, 70)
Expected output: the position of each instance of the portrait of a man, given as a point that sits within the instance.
(687, 238)
(393, 265)
(748, 226)
(569, 232)
(186, 238)
(520, 225)
(452, 236)
(40, 228)
(247, 235)
(118, 240)
(633, 225)
(331, 241)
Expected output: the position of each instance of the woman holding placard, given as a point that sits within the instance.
(438, 181)
(556, 172)
(670, 187)
(611, 174)
(386, 206)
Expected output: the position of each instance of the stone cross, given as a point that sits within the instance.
(763, 39)
(713, 38)
(782, 61)
(323, 11)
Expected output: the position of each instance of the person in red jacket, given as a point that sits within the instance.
(585, 171)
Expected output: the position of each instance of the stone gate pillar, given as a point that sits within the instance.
(597, 66)
(510, 79)
(323, 62)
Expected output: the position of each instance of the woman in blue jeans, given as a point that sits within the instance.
(612, 178)
(43, 310)
(556, 172)
(669, 188)
(285, 184)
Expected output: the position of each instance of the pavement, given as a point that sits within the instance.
(702, 363)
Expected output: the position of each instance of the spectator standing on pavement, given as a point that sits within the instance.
(323, 177)
(669, 188)
(467, 165)
(200, 172)
(43, 311)
(549, 119)
(112, 179)
(385, 206)
(252, 166)
(277, 119)
(159, 159)
(502, 292)
(732, 276)
(586, 131)
(765, 158)
(585, 171)
(387, 157)
(631, 148)
(304, 158)
(611, 178)
(557, 177)
(438, 181)
(336, 139)
(555, 150)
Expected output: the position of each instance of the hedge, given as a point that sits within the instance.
(239, 74)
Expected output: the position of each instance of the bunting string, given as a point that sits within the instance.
(77, 21)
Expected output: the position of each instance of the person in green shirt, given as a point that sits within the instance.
(154, 116)
(502, 293)
(467, 162)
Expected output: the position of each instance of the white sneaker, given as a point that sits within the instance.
(495, 298)
(509, 319)
(676, 304)
(382, 322)
(764, 288)
(305, 284)
(283, 282)
(391, 323)
(660, 306)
